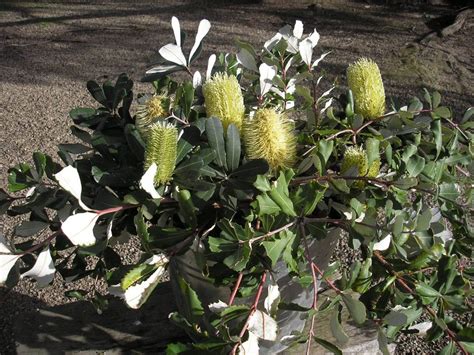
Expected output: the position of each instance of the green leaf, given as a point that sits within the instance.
(336, 328)
(193, 164)
(423, 221)
(81, 114)
(239, 259)
(215, 136)
(186, 208)
(74, 148)
(415, 165)
(340, 185)
(192, 308)
(232, 147)
(251, 169)
(409, 151)
(356, 308)
(266, 206)
(406, 183)
(275, 247)
(40, 163)
(443, 112)
(436, 99)
(136, 274)
(29, 228)
(449, 191)
(177, 348)
(383, 341)
(19, 178)
(163, 238)
(187, 98)
(135, 142)
(325, 148)
(77, 294)
(186, 143)
(141, 227)
(438, 136)
(373, 150)
(279, 194)
(328, 345)
(395, 318)
(468, 346)
(97, 92)
(307, 197)
(427, 293)
(449, 349)
(262, 183)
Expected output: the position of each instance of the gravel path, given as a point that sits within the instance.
(49, 49)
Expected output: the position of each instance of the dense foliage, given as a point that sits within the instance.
(247, 167)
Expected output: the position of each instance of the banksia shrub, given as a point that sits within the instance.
(365, 81)
(148, 113)
(269, 135)
(161, 149)
(356, 157)
(224, 100)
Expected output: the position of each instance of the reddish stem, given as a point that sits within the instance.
(236, 288)
(41, 244)
(329, 282)
(315, 290)
(116, 209)
(253, 308)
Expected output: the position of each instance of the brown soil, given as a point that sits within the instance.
(49, 49)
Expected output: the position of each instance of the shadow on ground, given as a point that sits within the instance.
(77, 326)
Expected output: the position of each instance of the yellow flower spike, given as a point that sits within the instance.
(161, 149)
(365, 81)
(269, 135)
(224, 100)
(149, 112)
(357, 157)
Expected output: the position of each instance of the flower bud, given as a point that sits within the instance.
(161, 149)
(365, 81)
(269, 135)
(224, 100)
(356, 157)
(149, 112)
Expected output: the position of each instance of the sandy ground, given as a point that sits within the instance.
(48, 50)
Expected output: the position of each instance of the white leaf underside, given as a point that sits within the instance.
(384, 244)
(7, 260)
(203, 29)
(267, 73)
(272, 299)
(263, 326)
(43, 270)
(250, 347)
(147, 182)
(173, 53)
(79, 228)
(210, 66)
(176, 30)
(136, 295)
(69, 179)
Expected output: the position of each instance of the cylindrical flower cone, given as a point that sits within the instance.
(224, 100)
(269, 135)
(161, 149)
(356, 157)
(149, 112)
(365, 81)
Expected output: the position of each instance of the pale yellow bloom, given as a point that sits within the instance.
(365, 81)
(224, 100)
(269, 135)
